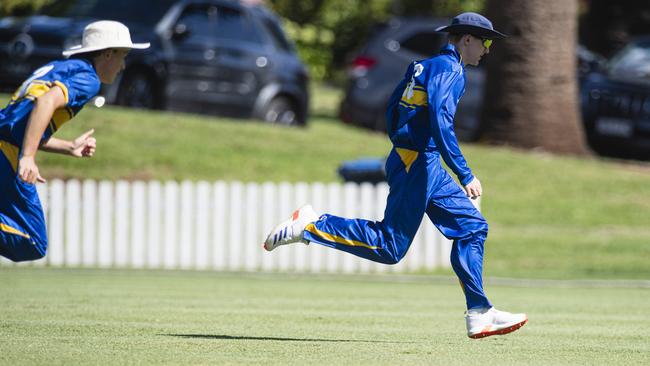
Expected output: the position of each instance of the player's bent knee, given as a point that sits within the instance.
(28, 255)
(29, 252)
(484, 228)
(38, 255)
(392, 260)
(396, 252)
(480, 229)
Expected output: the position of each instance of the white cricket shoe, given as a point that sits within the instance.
(493, 322)
(291, 230)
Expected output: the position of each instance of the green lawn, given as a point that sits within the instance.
(564, 217)
(93, 317)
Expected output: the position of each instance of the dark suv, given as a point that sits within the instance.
(616, 103)
(209, 56)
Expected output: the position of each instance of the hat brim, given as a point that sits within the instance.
(80, 49)
(473, 30)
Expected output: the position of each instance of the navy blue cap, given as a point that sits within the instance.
(474, 24)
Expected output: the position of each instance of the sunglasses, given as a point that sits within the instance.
(486, 42)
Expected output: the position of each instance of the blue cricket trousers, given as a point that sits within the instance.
(418, 185)
(22, 224)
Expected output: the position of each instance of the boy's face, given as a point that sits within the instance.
(110, 63)
(476, 48)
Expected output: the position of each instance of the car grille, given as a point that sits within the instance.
(633, 105)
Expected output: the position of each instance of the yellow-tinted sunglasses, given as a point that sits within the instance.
(486, 42)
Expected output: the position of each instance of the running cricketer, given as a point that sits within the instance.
(420, 117)
(50, 97)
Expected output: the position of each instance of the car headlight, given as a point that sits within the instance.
(6, 22)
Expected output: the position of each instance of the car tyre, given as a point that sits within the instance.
(281, 111)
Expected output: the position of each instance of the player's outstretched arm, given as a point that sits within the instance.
(83, 146)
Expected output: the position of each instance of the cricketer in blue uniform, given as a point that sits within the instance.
(50, 97)
(22, 225)
(420, 125)
(420, 117)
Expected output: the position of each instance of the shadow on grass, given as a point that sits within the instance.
(247, 338)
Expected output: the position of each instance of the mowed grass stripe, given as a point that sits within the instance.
(58, 316)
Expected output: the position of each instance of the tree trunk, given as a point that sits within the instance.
(531, 98)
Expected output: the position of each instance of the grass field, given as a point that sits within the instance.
(550, 217)
(83, 317)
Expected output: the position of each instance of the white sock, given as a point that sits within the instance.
(478, 310)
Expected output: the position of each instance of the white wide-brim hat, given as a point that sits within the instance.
(102, 35)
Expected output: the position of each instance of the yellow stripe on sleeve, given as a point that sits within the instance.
(407, 105)
(418, 97)
(64, 89)
(337, 239)
(36, 89)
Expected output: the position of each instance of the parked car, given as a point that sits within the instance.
(616, 103)
(209, 56)
(381, 63)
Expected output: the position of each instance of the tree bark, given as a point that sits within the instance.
(531, 98)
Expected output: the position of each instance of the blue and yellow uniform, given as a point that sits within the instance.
(22, 224)
(420, 117)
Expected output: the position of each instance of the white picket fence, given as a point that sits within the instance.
(212, 226)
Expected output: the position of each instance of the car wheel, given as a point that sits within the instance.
(282, 112)
(137, 90)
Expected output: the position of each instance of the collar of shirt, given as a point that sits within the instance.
(450, 49)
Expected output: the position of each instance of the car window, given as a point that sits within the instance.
(215, 21)
(126, 11)
(200, 20)
(276, 35)
(234, 24)
(633, 60)
(424, 43)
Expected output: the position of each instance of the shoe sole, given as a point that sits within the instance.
(294, 217)
(501, 331)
